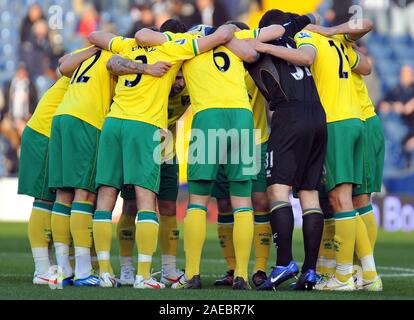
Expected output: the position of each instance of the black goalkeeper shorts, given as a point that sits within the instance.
(297, 146)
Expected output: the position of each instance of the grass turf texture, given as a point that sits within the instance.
(394, 258)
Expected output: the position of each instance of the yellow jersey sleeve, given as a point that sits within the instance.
(305, 38)
(119, 44)
(247, 34)
(179, 50)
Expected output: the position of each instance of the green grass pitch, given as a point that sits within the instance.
(394, 258)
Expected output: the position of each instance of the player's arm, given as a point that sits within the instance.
(221, 36)
(119, 66)
(243, 49)
(363, 65)
(69, 62)
(271, 33)
(148, 37)
(304, 56)
(101, 39)
(353, 29)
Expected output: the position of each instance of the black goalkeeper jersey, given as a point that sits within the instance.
(279, 81)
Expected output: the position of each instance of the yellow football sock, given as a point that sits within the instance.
(261, 239)
(242, 238)
(125, 231)
(345, 233)
(168, 235)
(40, 234)
(81, 224)
(94, 258)
(364, 251)
(60, 223)
(367, 215)
(39, 229)
(326, 257)
(146, 237)
(225, 224)
(102, 236)
(194, 237)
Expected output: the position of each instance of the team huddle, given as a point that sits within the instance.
(108, 126)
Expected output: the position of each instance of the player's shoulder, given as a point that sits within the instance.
(305, 34)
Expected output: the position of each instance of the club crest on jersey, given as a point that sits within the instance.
(179, 42)
(304, 35)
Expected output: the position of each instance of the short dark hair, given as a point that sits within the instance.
(276, 17)
(239, 24)
(173, 25)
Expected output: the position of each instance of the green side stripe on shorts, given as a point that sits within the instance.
(147, 215)
(225, 219)
(365, 210)
(60, 208)
(262, 219)
(345, 215)
(82, 207)
(242, 210)
(103, 215)
(42, 205)
(196, 206)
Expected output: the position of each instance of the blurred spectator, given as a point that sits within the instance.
(212, 12)
(34, 14)
(339, 12)
(9, 148)
(21, 98)
(142, 17)
(395, 131)
(397, 112)
(186, 12)
(89, 20)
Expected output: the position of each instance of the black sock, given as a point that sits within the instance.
(282, 223)
(312, 229)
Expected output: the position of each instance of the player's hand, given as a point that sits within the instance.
(94, 49)
(257, 45)
(226, 32)
(158, 69)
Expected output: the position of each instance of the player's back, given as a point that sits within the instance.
(332, 74)
(90, 91)
(143, 97)
(215, 79)
(41, 120)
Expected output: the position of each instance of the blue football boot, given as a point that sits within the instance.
(306, 281)
(90, 281)
(279, 275)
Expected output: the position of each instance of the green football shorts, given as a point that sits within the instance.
(129, 154)
(73, 151)
(222, 137)
(34, 166)
(169, 184)
(374, 154)
(221, 185)
(344, 157)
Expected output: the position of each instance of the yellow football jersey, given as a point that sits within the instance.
(177, 106)
(41, 120)
(215, 79)
(368, 108)
(90, 91)
(258, 104)
(332, 73)
(143, 97)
